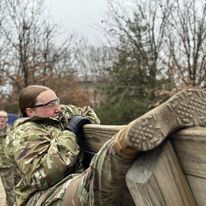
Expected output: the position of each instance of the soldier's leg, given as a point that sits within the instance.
(101, 183)
(106, 174)
(185, 109)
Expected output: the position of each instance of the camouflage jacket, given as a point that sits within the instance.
(4, 161)
(44, 151)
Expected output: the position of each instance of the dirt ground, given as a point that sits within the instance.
(2, 195)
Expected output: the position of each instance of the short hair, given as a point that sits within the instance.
(28, 96)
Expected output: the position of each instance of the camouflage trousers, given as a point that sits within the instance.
(99, 185)
(7, 177)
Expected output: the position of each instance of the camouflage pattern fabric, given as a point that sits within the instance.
(44, 152)
(7, 178)
(4, 161)
(99, 185)
(49, 160)
(7, 170)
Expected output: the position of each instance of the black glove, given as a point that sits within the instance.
(76, 123)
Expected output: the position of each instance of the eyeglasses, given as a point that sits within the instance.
(50, 104)
(3, 117)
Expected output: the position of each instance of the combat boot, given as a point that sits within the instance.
(185, 109)
(122, 148)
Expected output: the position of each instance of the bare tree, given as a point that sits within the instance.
(93, 60)
(187, 42)
(33, 54)
(139, 34)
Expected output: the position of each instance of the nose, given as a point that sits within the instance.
(57, 109)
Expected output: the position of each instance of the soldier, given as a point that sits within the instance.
(44, 146)
(6, 167)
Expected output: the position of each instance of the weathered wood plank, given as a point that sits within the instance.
(190, 145)
(198, 186)
(96, 135)
(156, 179)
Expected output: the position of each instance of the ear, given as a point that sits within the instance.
(29, 112)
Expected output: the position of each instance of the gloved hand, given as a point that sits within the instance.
(76, 123)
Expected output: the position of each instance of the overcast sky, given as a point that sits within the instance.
(78, 15)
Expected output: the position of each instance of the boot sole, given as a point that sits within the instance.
(185, 109)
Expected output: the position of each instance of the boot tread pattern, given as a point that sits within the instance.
(185, 109)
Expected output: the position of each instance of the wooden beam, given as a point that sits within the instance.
(156, 179)
(94, 136)
(190, 146)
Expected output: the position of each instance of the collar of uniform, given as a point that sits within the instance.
(34, 119)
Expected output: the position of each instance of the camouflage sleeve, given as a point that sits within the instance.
(87, 111)
(44, 157)
(8, 147)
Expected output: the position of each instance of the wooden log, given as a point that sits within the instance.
(94, 136)
(198, 187)
(156, 179)
(190, 146)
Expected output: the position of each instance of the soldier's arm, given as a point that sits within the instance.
(45, 157)
(87, 111)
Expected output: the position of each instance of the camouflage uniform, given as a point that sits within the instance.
(6, 170)
(50, 163)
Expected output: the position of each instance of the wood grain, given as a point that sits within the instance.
(190, 146)
(157, 178)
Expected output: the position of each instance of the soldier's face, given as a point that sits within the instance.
(47, 105)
